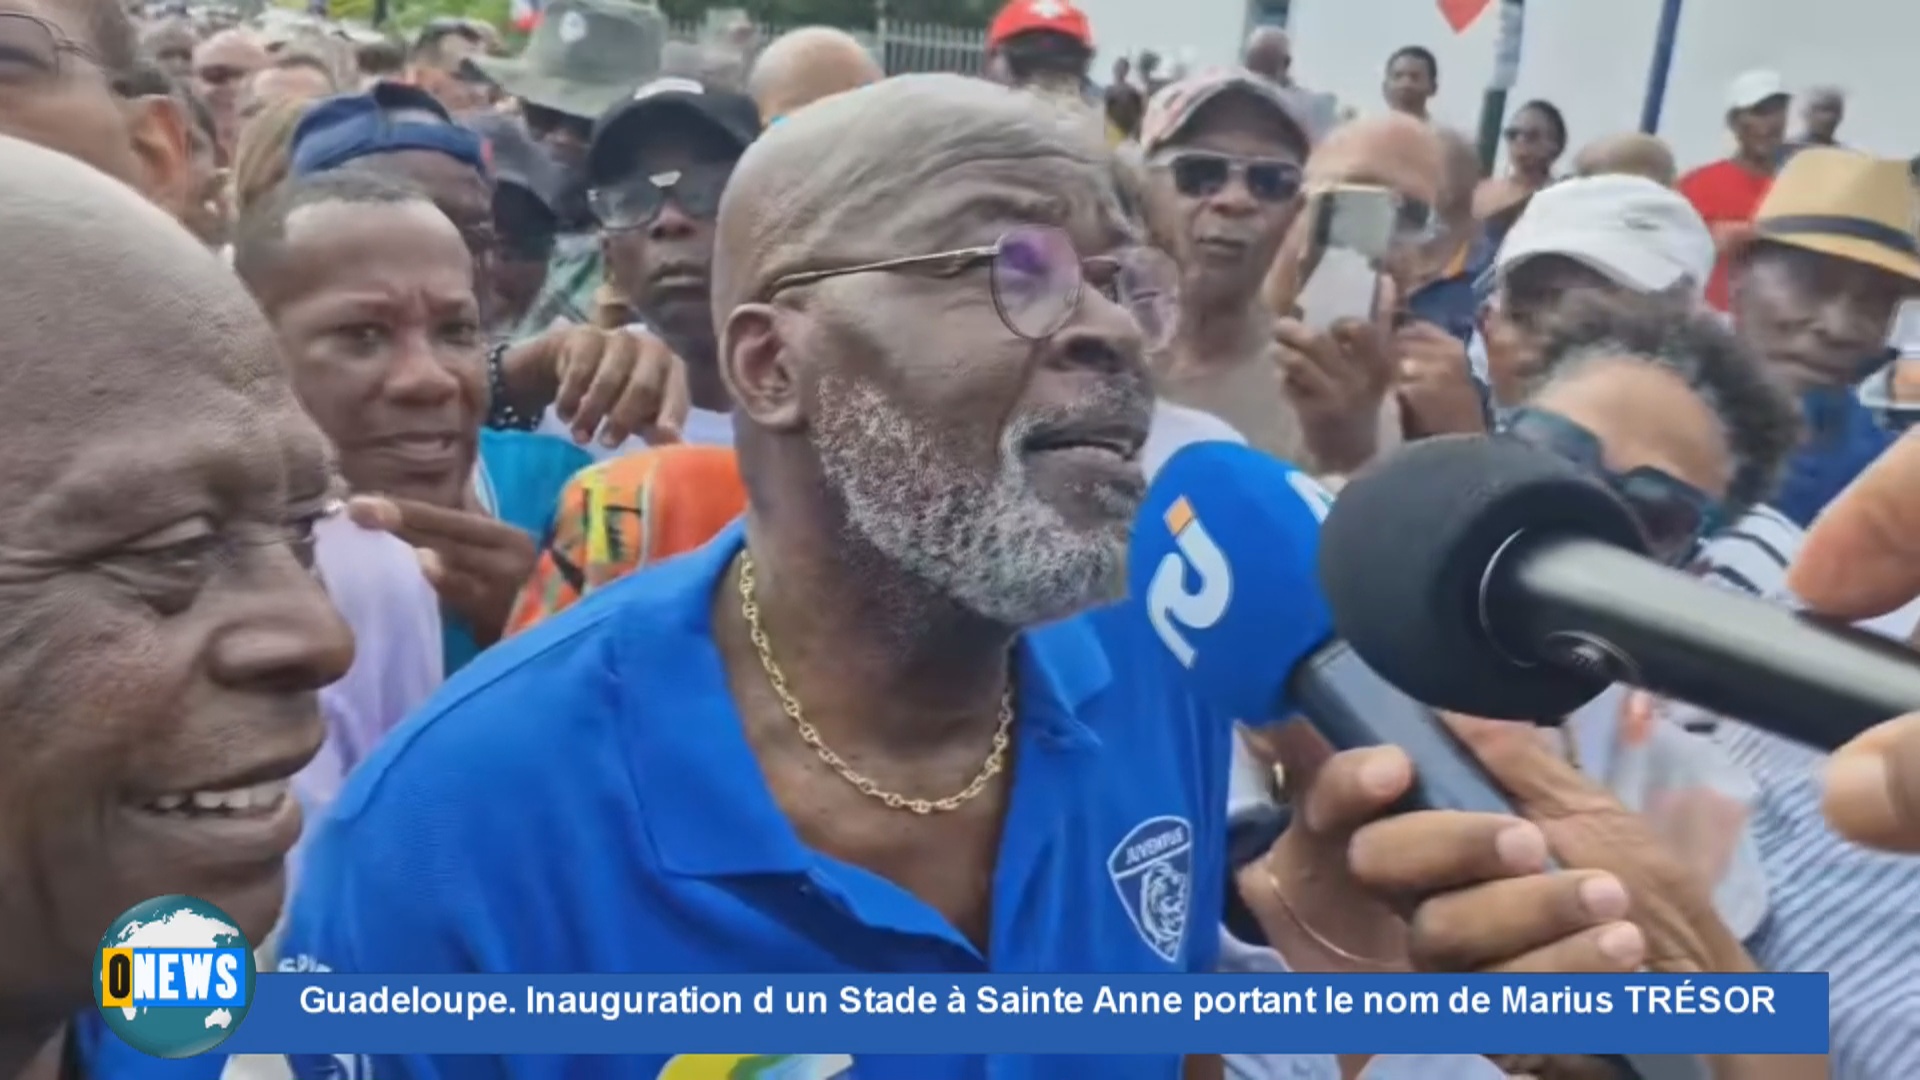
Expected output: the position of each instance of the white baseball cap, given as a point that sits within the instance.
(1754, 87)
(1635, 232)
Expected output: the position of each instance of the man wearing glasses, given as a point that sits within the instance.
(1223, 156)
(584, 58)
(68, 85)
(879, 725)
(656, 168)
(933, 335)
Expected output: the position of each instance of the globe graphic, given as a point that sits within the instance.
(174, 922)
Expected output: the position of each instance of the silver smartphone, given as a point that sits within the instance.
(1352, 232)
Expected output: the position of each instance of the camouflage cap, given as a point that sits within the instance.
(585, 56)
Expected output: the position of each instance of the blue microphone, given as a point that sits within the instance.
(1224, 565)
(1225, 561)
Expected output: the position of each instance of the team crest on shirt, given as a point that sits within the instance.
(1153, 871)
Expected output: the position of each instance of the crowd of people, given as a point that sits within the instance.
(641, 508)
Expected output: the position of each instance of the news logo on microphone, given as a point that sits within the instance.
(173, 977)
(1169, 601)
(1223, 567)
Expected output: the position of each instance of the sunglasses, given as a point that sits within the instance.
(1201, 174)
(636, 204)
(1036, 277)
(1673, 515)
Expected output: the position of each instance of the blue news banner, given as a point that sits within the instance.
(1033, 1014)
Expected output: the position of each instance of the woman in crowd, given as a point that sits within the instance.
(1535, 137)
(1683, 421)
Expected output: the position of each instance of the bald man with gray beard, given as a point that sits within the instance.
(793, 749)
(883, 724)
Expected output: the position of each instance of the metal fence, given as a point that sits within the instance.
(931, 47)
(900, 47)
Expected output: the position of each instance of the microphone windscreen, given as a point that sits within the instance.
(1223, 566)
(1407, 547)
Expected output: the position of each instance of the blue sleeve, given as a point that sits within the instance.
(426, 864)
(381, 893)
(355, 913)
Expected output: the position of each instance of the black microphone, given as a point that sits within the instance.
(1222, 566)
(1493, 578)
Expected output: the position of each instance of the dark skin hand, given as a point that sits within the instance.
(1337, 381)
(1435, 384)
(1453, 891)
(614, 382)
(476, 562)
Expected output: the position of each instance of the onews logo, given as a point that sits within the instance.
(1168, 599)
(173, 977)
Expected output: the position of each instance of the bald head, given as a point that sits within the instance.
(1390, 149)
(141, 304)
(895, 169)
(231, 48)
(900, 413)
(1269, 53)
(1629, 154)
(802, 66)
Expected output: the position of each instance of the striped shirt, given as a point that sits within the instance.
(1833, 907)
(1753, 557)
(1837, 908)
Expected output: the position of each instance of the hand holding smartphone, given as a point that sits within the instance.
(1352, 229)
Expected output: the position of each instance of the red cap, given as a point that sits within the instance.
(1026, 16)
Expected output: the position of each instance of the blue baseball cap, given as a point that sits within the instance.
(390, 117)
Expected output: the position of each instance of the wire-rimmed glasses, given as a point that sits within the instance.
(1036, 275)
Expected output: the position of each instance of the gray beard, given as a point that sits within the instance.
(990, 544)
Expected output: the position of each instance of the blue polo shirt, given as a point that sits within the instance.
(1843, 438)
(581, 798)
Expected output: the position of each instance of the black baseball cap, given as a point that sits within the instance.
(516, 158)
(733, 115)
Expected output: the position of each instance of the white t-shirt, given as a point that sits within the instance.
(1175, 426)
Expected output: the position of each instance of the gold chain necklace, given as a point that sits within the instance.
(996, 758)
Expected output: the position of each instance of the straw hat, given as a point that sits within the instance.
(1845, 204)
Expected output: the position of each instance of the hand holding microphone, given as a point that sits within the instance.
(1408, 825)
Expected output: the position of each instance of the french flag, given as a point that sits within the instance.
(526, 14)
